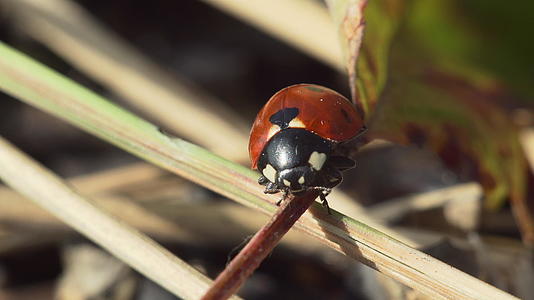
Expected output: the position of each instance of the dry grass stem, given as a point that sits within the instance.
(70, 31)
(14, 210)
(395, 208)
(103, 187)
(143, 254)
(177, 221)
(526, 137)
(304, 24)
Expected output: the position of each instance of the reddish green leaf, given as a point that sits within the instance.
(470, 133)
(448, 103)
(366, 67)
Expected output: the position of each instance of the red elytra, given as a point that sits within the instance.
(320, 110)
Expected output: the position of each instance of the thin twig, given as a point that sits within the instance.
(263, 242)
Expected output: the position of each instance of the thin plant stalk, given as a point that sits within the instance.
(263, 242)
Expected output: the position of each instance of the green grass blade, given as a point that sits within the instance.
(39, 86)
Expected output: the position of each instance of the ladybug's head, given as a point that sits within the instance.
(294, 158)
(296, 179)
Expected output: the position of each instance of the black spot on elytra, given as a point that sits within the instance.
(346, 115)
(284, 116)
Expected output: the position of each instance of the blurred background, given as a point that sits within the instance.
(455, 88)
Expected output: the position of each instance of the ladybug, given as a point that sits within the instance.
(296, 136)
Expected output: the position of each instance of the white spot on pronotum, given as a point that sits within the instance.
(296, 123)
(270, 173)
(272, 131)
(287, 183)
(317, 160)
(301, 180)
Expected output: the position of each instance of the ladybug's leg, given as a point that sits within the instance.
(349, 148)
(271, 188)
(331, 177)
(263, 180)
(341, 163)
(322, 196)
